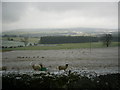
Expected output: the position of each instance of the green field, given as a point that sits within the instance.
(63, 46)
(18, 39)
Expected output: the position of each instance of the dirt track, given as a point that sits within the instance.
(101, 60)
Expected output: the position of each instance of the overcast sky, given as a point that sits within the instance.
(21, 15)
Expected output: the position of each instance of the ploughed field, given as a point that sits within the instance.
(98, 60)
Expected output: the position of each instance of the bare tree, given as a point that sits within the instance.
(107, 38)
(25, 40)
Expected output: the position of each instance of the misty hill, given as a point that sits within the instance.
(39, 32)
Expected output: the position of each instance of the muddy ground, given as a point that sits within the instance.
(100, 60)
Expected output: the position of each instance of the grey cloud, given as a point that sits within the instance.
(12, 11)
(59, 14)
(55, 6)
(99, 9)
(0, 12)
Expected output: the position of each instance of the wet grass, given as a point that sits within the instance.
(70, 81)
(64, 46)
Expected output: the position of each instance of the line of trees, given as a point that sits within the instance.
(67, 39)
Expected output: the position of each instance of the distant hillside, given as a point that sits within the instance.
(57, 32)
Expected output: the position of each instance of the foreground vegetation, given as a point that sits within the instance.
(63, 46)
(67, 81)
